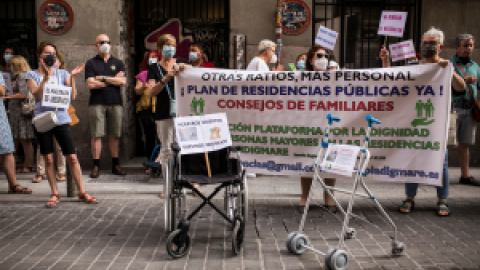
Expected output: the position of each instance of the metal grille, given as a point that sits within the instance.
(356, 21)
(203, 20)
(18, 26)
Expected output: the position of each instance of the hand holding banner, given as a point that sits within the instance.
(326, 38)
(402, 50)
(392, 23)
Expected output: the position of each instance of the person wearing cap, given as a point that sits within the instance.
(266, 54)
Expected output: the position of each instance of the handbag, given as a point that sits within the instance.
(73, 116)
(476, 104)
(28, 104)
(173, 103)
(45, 121)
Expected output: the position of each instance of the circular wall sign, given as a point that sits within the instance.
(56, 17)
(296, 17)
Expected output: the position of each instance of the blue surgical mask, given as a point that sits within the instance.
(412, 63)
(168, 51)
(193, 56)
(301, 64)
(8, 57)
(152, 61)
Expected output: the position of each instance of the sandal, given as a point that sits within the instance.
(52, 203)
(406, 206)
(446, 207)
(83, 198)
(61, 177)
(38, 178)
(15, 190)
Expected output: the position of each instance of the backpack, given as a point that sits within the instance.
(28, 104)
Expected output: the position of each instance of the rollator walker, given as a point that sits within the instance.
(337, 258)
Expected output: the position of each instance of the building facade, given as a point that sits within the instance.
(134, 25)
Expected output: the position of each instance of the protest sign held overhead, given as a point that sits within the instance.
(326, 38)
(402, 50)
(392, 23)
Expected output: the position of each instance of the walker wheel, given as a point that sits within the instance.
(289, 240)
(178, 244)
(398, 248)
(336, 259)
(350, 233)
(298, 243)
(237, 236)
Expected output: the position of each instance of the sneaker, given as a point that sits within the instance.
(251, 175)
(469, 181)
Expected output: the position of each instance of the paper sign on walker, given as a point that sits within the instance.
(392, 23)
(340, 159)
(326, 38)
(56, 96)
(200, 134)
(402, 50)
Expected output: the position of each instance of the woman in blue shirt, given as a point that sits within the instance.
(36, 81)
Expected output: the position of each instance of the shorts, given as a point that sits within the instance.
(106, 120)
(466, 126)
(62, 134)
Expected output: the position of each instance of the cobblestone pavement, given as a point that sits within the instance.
(126, 230)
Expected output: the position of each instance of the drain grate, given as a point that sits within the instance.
(134, 178)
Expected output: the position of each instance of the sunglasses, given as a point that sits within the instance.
(104, 42)
(321, 55)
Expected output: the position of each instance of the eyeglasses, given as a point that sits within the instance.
(321, 55)
(104, 42)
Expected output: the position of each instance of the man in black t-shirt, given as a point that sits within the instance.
(105, 75)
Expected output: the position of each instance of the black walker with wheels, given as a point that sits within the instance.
(186, 170)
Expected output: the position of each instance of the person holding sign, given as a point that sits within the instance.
(318, 59)
(466, 123)
(37, 81)
(7, 148)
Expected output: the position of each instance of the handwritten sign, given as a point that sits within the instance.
(340, 159)
(200, 134)
(326, 38)
(56, 96)
(402, 50)
(392, 23)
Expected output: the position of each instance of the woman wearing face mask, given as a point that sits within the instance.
(146, 105)
(160, 78)
(301, 62)
(36, 81)
(21, 124)
(317, 60)
(7, 55)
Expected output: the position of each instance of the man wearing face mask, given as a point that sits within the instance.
(196, 57)
(466, 124)
(266, 49)
(105, 75)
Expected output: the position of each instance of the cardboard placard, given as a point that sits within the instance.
(392, 23)
(199, 134)
(326, 37)
(402, 50)
(56, 96)
(340, 159)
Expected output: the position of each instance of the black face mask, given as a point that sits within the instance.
(428, 51)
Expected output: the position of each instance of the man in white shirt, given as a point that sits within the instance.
(266, 49)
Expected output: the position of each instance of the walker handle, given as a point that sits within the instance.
(372, 120)
(332, 119)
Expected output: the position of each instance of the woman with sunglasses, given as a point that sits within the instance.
(318, 59)
(48, 73)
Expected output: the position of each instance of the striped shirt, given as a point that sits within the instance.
(59, 77)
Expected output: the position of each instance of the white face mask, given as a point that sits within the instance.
(321, 64)
(105, 48)
(273, 60)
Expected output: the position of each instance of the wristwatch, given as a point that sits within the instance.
(104, 78)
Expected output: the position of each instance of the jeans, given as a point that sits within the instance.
(442, 192)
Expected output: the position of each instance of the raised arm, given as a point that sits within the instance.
(385, 56)
(71, 80)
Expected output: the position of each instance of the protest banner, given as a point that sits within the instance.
(402, 50)
(392, 23)
(280, 117)
(326, 38)
(199, 134)
(56, 96)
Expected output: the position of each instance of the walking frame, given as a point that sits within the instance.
(337, 258)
